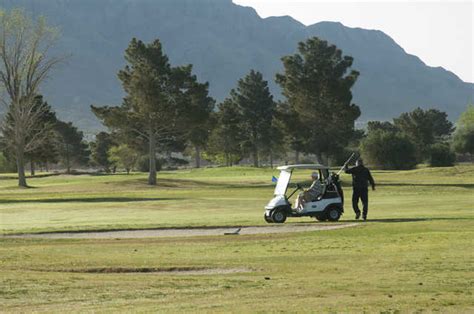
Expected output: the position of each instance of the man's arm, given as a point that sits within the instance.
(371, 179)
(348, 170)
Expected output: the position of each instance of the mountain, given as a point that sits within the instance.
(224, 41)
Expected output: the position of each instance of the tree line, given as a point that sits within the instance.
(167, 110)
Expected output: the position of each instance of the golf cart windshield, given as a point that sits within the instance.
(282, 183)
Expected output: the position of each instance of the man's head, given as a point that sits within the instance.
(315, 176)
(359, 162)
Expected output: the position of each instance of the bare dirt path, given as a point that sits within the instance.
(187, 232)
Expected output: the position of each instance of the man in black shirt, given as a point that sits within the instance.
(361, 178)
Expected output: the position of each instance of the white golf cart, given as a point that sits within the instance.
(327, 206)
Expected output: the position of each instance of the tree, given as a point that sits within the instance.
(6, 165)
(100, 150)
(381, 125)
(256, 107)
(274, 147)
(463, 140)
(123, 156)
(47, 151)
(424, 128)
(224, 142)
(288, 121)
(388, 150)
(317, 88)
(467, 117)
(155, 102)
(71, 145)
(200, 107)
(441, 155)
(24, 65)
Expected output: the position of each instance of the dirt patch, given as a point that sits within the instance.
(189, 232)
(160, 270)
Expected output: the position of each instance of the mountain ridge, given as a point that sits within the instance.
(224, 41)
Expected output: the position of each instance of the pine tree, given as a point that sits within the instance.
(256, 109)
(71, 145)
(317, 87)
(154, 107)
(100, 150)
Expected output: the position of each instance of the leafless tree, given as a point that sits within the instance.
(25, 45)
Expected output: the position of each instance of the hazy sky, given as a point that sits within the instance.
(439, 32)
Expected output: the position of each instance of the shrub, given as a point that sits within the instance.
(177, 162)
(463, 140)
(144, 164)
(388, 150)
(441, 155)
(6, 165)
(123, 156)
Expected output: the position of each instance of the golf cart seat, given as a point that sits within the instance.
(325, 188)
(330, 191)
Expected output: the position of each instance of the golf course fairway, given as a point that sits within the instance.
(414, 254)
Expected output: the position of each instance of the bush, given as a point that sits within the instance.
(6, 165)
(144, 164)
(388, 150)
(441, 155)
(463, 140)
(123, 156)
(177, 162)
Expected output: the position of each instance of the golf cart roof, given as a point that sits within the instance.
(303, 166)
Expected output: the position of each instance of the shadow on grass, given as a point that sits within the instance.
(379, 220)
(36, 176)
(446, 185)
(188, 183)
(398, 220)
(392, 220)
(91, 200)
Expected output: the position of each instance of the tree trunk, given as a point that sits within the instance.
(198, 156)
(32, 168)
(271, 159)
(68, 164)
(20, 164)
(255, 157)
(152, 156)
(297, 157)
(46, 166)
(319, 158)
(128, 171)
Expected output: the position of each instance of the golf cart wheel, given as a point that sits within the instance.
(279, 216)
(268, 218)
(321, 217)
(333, 213)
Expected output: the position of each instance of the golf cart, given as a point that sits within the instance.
(327, 206)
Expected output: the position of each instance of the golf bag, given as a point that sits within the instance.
(337, 183)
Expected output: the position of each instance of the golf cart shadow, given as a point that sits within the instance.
(385, 220)
(390, 220)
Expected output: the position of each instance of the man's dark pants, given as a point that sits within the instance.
(363, 195)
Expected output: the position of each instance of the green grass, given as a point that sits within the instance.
(415, 255)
